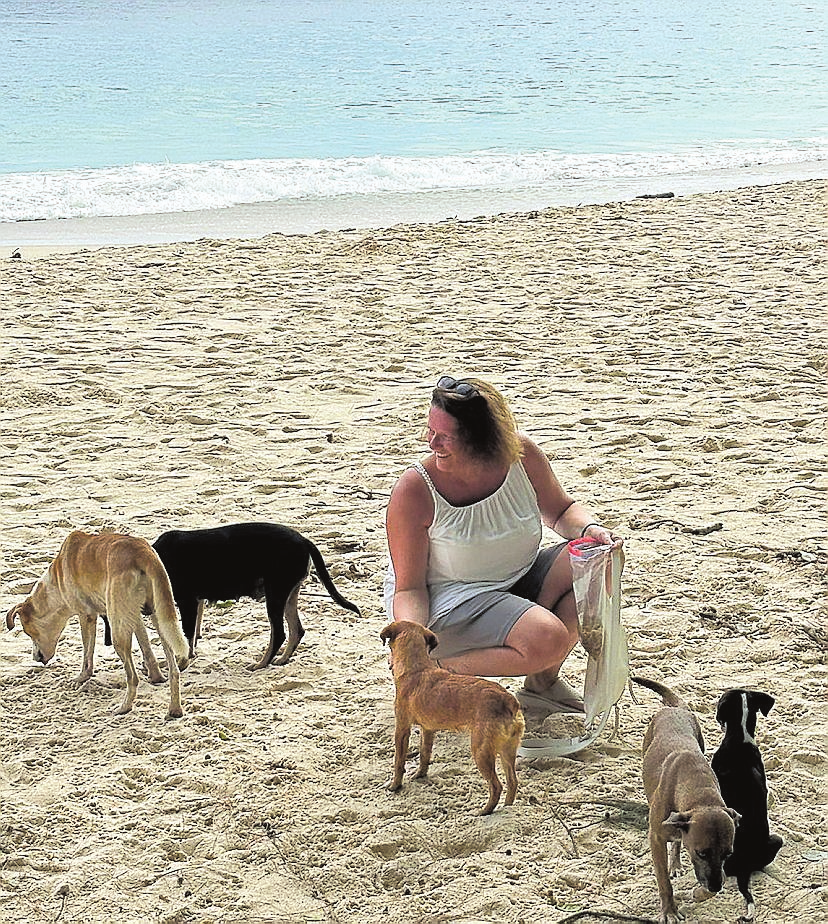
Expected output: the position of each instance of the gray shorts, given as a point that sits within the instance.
(487, 619)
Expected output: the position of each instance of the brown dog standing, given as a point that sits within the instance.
(436, 699)
(686, 807)
(122, 577)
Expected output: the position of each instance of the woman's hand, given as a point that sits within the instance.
(604, 535)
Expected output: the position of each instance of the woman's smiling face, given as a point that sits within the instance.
(442, 437)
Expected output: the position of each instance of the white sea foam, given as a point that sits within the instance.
(142, 189)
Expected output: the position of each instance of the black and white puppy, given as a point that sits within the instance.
(258, 560)
(738, 767)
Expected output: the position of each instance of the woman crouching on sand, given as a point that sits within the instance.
(464, 532)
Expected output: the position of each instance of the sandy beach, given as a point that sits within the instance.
(668, 354)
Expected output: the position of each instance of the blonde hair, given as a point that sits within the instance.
(485, 424)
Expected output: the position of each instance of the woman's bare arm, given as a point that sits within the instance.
(409, 514)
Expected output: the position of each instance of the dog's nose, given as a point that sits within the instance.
(709, 878)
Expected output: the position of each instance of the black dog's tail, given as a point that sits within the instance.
(668, 697)
(324, 576)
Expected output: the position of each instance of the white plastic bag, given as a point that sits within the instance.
(596, 582)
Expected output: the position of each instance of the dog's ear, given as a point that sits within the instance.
(734, 815)
(389, 632)
(18, 611)
(724, 703)
(680, 821)
(761, 701)
(431, 639)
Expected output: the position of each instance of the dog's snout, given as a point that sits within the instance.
(710, 878)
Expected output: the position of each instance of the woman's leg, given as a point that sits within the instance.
(540, 640)
(556, 595)
(537, 640)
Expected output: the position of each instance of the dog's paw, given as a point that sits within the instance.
(394, 786)
(175, 712)
(671, 917)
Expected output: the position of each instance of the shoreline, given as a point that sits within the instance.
(43, 237)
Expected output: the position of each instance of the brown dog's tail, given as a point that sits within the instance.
(668, 697)
(324, 576)
(163, 608)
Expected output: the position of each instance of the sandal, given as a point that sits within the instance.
(560, 697)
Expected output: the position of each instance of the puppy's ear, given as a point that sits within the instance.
(680, 821)
(431, 639)
(724, 702)
(12, 613)
(761, 701)
(389, 632)
(734, 815)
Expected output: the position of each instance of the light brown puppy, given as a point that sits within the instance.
(686, 807)
(122, 577)
(436, 699)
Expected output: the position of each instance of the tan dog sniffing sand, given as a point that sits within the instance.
(436, 699)
(117, 575)
(686, 807)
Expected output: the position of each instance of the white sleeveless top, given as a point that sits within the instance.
(487, 545)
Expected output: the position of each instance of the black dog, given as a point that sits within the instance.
(258, 560)
(741, 774)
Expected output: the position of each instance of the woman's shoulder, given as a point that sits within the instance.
(411, 504)
(411, 490)
(531, 452)
(535, 462)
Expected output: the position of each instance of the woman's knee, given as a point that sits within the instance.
(540, 636)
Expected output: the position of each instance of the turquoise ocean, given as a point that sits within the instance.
(149, 120)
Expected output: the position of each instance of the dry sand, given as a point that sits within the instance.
(669, 355)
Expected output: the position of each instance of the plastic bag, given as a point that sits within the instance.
(596, 582)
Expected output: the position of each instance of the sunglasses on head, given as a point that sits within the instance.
(461, 389)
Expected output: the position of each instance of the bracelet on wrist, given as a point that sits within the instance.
(583, 531)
